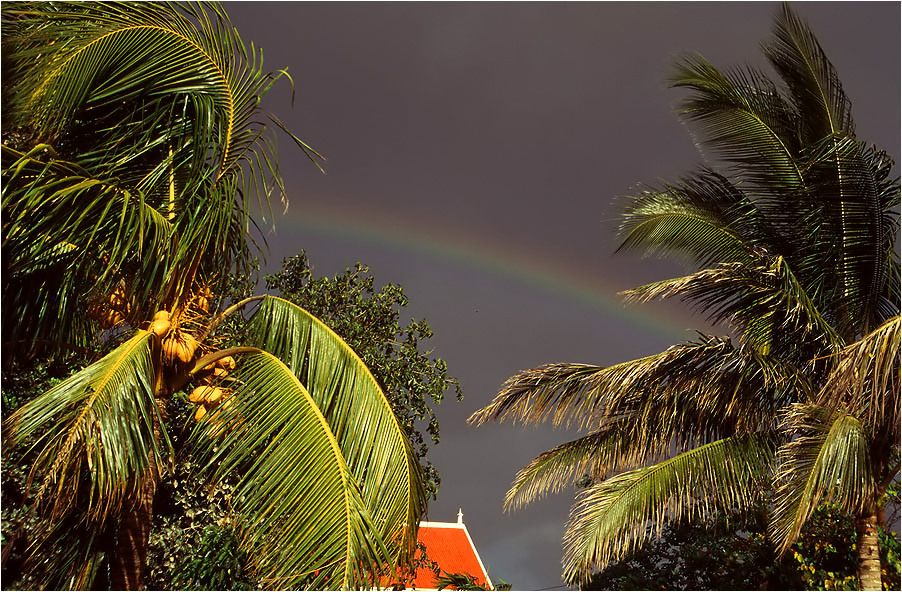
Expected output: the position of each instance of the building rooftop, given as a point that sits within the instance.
(449, 545)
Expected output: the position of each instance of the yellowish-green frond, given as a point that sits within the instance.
(100, 419)
(372, 441)
(304, 521)
(614, 517)
(827, 459)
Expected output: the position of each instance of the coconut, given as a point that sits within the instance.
(189, 348)
(228, 363)
(160, 327)
(199, 394)
(214, 395)
(179, 348)
(200, 413)
(162, 315)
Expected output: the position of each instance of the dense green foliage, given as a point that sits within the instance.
(735, 553)
(20, 383)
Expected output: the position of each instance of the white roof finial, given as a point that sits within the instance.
(460, 516)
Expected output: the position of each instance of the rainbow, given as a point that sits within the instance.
(493, 259)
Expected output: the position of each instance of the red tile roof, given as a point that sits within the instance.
(449, 544)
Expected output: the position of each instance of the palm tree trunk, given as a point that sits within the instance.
(868, 552)
(129, 558)
(130, 555)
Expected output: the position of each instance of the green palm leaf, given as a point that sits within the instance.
(592, 456)
(690, 392)
(156, 101)
(78, 551)
(611, 518)
(105, 228)
(705, 217)
(764, 301)
(866, 378)
(372, 441)
(303, 517)
(812, 80)
(744, 119)
(857, 208)
(101, 421)
(828, 459)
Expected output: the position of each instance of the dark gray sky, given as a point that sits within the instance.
(474, 154)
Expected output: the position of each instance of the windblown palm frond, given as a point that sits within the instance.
(592, 456)
(866, 379)
(705, 217)
(856, 213)
(763, 302)
(611, 518)
(49, 203)
(374, 445)
(743, 118)
(813, 82)
(828, 460)
(691, 390)
(305, 521)
(99, 422)
(825, 202)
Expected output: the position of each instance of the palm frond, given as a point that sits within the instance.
(593, 456)
(866, 379)
(614, 517)
(106, 229)
(66, 554)
(164, 99)
(856, 215)
(826, 459)
(813, 82)
(551, 392)
(746, 121)
(763, 301)
(304, 519)
(99, 422)
(692, 391)
(705, 217)
(373, 443)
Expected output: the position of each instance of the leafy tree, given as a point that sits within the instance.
(795, 244)
(133, 153)
(735, 553)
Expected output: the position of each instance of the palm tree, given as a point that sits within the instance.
(795, 246)
(133, 155)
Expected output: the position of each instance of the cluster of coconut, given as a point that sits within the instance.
(209, 396)
(112, 312)
(179, 350)
(201, 300)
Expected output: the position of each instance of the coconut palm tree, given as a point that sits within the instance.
(133, 154)
(795, 245)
